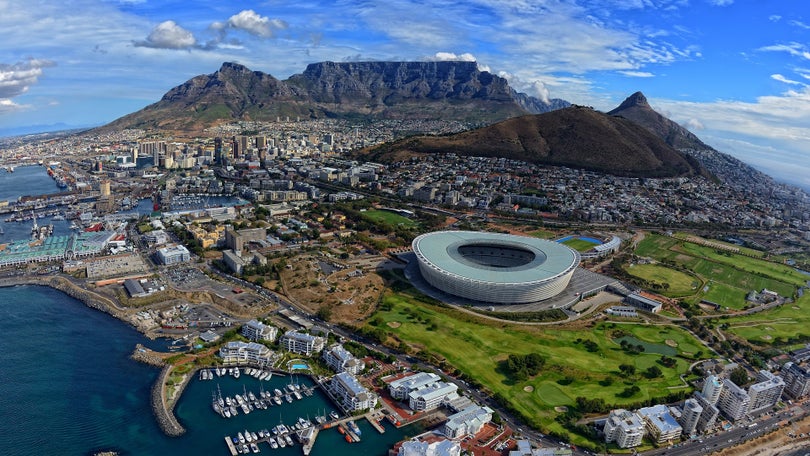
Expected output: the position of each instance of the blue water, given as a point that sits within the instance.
(70, 388)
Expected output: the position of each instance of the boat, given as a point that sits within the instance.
(248, 437)
(236, 372)
(297, 395)
(288, 398)
(348, 438)
(254, 436)
(226, 412)
(277, 392)
(334, 415)
(277, 400)
(341, 430)
(273, 443)
(254, 448)
(241, 437)
(288, 439)
(353, 427)
(281, 441)
(233, 410)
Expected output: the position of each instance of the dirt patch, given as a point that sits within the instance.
(528, 388)
(394, 324)
(671, 343)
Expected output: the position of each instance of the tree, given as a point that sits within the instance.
(739, 376)
(627, 369)
(653, 372)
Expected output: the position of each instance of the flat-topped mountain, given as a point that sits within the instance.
(449, 90)
(576, 136)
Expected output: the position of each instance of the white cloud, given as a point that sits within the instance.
(780, 78)
(8, 106)
(693, 124)
(638, 74)
(168, 35)
(15, 79)
(721, 2)
(800, 24)
(774, 18)
(465, 57)
(253, 23)
(795, 49)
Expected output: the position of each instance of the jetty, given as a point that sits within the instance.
(231, 447)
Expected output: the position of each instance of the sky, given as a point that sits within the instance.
(735, 72)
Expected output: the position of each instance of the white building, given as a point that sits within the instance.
(156, 237)
(302, 343)
(400, 389)
(430, 396)
(255, 330)
(340, 360)
(690, 416)
(659, 423)
(467, 421)
(173, 254)
(712, 388)
(438, 448)
(351, 395)
(623, 427)
(734, 401)
(766, 393)
(246, 352)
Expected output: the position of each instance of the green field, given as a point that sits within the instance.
(728, 277)
(580, 245)
(391, 218)
(543, 234)
(453, 336)
(774, 326)
(680, 283)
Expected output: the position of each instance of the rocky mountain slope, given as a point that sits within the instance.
(413, 90)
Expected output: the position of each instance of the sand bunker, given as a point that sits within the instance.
(394, 324)
(671, 343)
(528, 388)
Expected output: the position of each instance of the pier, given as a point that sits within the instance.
(231, 447)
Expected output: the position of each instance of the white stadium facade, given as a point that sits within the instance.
(493, 267)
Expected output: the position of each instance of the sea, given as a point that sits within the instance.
(69, 387)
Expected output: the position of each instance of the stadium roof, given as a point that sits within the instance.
(550, 258)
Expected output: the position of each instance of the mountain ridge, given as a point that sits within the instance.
(452, 90)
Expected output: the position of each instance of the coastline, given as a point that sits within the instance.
(163, 412)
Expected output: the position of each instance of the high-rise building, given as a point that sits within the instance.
(734, 401)
(797, 380)
(709, 414)
(690, 415)
(766, 393)
(217, 150)
(712, 388)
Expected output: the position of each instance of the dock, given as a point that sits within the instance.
(375, 424)
(231, 448)
(309, 444)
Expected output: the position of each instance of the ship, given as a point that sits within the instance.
(353, 427)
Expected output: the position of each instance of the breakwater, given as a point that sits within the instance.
(163, 413)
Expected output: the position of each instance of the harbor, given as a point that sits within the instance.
(274, 424)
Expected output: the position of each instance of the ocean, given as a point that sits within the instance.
(69, 387)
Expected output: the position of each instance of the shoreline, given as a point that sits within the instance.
(163, 413)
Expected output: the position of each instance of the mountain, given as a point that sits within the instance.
(740, 177)
(447, 90)
(576, 136)
(637, 109)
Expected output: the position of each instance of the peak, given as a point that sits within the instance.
(635, 100)
(233, 66)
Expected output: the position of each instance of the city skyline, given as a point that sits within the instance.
(735, 73)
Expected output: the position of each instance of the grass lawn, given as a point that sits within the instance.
(580, 245)
(477, 347)
(729, 276)
(741, 249)
(389, 217)
(680, 283)
(775, 325)
(543, 234)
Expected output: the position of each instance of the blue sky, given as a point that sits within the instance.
(735, 72)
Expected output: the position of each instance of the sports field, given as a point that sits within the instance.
(680, 283)
(391, 218)
(727, 277)
(775, 326)
(580, 245)
(454, 336)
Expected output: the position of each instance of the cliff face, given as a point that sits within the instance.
(414, 90)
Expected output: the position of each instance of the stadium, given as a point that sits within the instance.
(493, 267)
